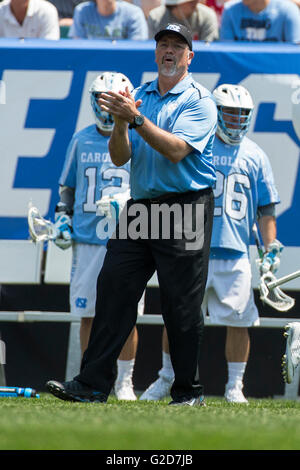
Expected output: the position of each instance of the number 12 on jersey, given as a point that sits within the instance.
(118, 176)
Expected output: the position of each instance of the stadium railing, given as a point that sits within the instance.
(24, 262)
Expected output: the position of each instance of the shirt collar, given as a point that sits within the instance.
(178, 88)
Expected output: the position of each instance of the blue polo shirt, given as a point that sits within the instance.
(188, 111)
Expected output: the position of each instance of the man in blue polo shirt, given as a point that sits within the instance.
(166, 128)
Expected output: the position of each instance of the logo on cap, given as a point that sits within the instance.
(174, 27)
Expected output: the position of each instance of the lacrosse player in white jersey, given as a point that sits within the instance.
(245, 192)
(87, 176)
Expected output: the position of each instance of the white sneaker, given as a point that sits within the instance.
(124, 390)
(235, 394)
(291, 358)
(158, 389)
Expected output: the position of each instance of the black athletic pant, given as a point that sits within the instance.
(182, 275)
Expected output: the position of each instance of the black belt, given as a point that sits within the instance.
(164, 197)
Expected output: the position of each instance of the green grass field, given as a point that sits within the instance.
(51, 424)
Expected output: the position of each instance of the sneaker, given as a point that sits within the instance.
(291, 358)
(193, 401)
(75, 391)
(158, 390)
(235, 394)
(124, 390)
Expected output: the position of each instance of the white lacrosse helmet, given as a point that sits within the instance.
(107, 81)
(233, 123)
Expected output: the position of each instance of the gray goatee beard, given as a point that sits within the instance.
(168, 71)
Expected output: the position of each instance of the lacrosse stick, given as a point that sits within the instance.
(40, 229)
(269, 291)
(283, 280)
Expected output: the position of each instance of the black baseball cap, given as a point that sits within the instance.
(178, 29)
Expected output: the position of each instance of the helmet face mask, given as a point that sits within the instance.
(234, 123)
(107, 81)
(104, 120)
(235, 108)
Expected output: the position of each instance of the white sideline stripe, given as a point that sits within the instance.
(40, 316)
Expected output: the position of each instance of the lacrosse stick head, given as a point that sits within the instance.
(274, 297)
(40, 229)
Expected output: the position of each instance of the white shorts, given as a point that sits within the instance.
(229, 298)
(87, 261)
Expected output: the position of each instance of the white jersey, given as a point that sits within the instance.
(89, 170)
(245, 182)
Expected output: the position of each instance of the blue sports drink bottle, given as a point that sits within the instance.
(18, 392)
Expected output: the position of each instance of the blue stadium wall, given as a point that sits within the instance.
(44, 100)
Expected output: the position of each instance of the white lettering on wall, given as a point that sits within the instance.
(16, 140)
(280, 148)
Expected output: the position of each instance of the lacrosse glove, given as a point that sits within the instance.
(271, 258)
(63, 225)
(112, 206)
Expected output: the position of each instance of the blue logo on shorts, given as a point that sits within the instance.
(81, 302)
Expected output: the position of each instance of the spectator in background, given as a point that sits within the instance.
(28, 19)
(199, 19)
(65, 10)
(147, 5)
(108, 19)
(216, 5)
(260, 20)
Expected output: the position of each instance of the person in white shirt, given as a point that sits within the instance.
(29, 19)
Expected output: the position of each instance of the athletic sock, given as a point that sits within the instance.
(236, 372)
(125, 369)
(166, 372)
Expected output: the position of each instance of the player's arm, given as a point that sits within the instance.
(267, 224)
(67, 197)
(124, 108)
(167, 144)
(119, 144)
(268, 230)
(63, 217)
